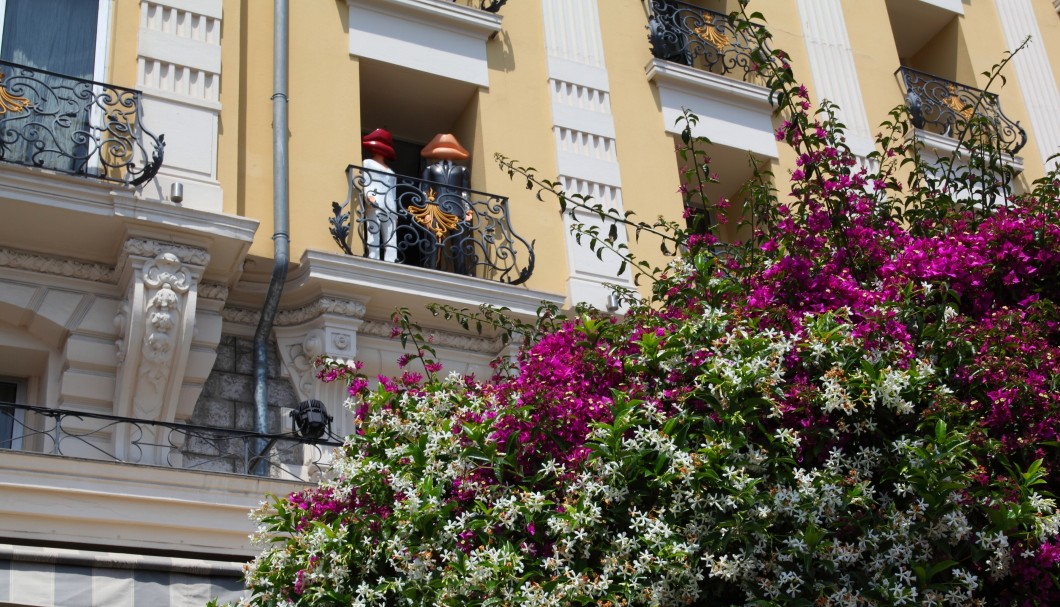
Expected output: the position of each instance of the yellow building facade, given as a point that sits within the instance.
(138, 231)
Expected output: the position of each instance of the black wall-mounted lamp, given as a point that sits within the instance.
(311, 419)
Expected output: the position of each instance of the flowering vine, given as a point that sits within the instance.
(857, 405)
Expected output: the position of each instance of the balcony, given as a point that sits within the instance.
(944, 108)
(690, 35)
(430, 225)
(75, 126)
(490, 6)
(109, 438)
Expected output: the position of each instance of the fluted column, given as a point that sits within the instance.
(1034, 74)
(584, 127)
(835, 76)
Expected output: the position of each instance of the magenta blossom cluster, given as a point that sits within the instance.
(563, 388)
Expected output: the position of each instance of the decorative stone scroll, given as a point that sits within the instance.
(327, 327)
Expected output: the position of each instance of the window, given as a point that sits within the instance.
(417, 223)
(929, 38)
(12, 392)
(67, 37)
(63, 36)
(722, 201)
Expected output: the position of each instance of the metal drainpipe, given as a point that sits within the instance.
(281, 240)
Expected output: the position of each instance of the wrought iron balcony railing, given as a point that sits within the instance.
(490, 6)
(693, 36)
(187, 447)
(431, 225)
(75, 126)
(944, 107)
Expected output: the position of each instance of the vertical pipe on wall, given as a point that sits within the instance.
(280, 237)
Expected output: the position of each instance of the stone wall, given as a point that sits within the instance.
(227, 401)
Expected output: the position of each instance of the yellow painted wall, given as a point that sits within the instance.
(323, 118)
(875, 58)
(516, 118)
(124, 28)
(513, 115)
(784, 22)
(649, 168)
(244, 163)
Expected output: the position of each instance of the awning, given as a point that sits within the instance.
(47, 577)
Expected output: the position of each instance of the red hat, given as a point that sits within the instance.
(379, 142)
(444, 146)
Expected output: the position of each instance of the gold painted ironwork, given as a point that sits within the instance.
(955, 104)
(434, 218)
(709, 33)
(11, 103)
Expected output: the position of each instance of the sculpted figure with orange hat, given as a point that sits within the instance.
(381, 212)
(457, 246)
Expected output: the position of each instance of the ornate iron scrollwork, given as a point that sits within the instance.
(75, 126)
(430, 225)
(945, 107)
(697, 37)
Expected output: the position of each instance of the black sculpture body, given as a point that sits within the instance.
(447, 214)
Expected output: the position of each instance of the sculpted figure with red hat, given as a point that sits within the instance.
(381, 212)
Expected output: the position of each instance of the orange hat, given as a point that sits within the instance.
(379, 142)
(444, 146)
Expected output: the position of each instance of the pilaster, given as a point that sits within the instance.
(835, 76)
(584, 128)
(1034, 74)
(179, 72)
(156, 328)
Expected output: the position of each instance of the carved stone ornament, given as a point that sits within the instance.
(153, 248)
(156, 325)
(121, 323)
(167, 282)
(213, 290)
(341, 341)
(300, 359)
(59, 266)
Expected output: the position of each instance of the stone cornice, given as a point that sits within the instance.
(240, 316)
(103, 273)
(446, 339)
(372, 328)
(297, 316)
